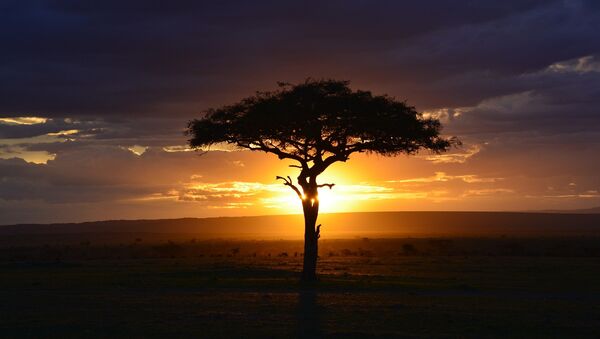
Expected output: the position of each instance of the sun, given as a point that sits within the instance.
(336, 199)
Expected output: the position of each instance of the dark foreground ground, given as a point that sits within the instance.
(467, 288)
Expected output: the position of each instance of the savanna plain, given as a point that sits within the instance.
(136, 284)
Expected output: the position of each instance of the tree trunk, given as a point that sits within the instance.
(311, 238)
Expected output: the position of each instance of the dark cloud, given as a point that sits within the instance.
(8, 131)
(549, 103)
(177, 58)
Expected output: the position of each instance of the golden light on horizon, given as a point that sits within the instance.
(362, 185)
(346, 195)
(352, 192)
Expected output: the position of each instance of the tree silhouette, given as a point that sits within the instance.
(317, 123)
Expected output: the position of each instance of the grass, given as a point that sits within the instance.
(206, 290)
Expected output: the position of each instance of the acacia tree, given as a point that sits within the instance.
(315, 124)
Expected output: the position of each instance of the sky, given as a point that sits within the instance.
(95, 96)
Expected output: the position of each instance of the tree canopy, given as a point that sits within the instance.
(317, 123)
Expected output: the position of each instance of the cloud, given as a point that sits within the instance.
(273, 195)
(550, 104)
(137, 149)
(28, 127)
(20, 147)
(579, 65)
(23, 120)
(35, 157)
(491, 191)
(443, 177)
(453, 156)
(63, 133)
(106, 59)
(572, 196)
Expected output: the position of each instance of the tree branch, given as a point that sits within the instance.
(288, 182)
(328, 185)
(281, 154)
(318, 168)
(260, 145)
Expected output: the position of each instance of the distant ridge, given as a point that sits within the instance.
(593, 210)
(340, 225)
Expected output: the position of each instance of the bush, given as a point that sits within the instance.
(409, 249)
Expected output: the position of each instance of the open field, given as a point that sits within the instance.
(409, 287)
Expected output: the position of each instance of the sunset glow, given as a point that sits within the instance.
(103, 136)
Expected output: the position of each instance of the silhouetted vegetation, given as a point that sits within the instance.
(292, 250)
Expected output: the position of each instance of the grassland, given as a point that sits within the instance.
(178, 286)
